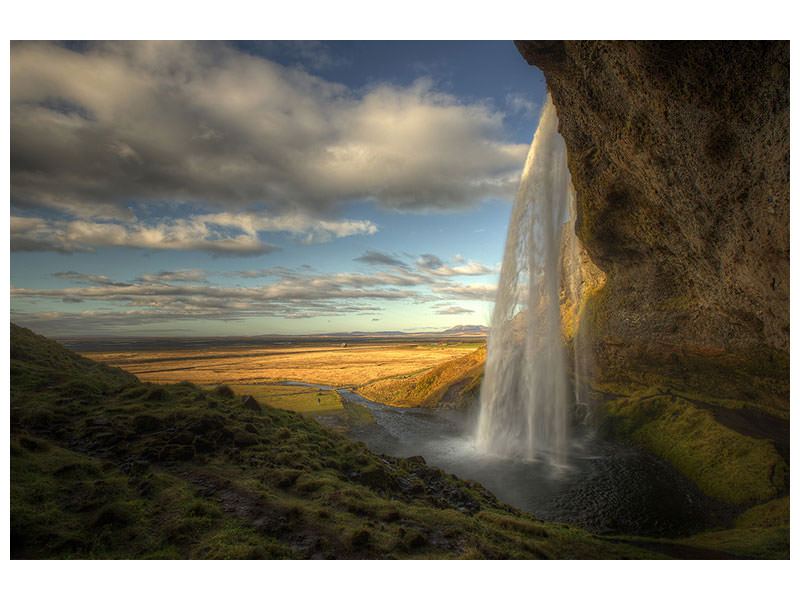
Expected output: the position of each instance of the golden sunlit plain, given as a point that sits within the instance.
(326, 364)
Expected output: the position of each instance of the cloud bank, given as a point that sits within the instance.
(97, 132)
(189, 294)
(217, 233)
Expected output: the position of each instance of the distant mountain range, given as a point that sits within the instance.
(457, 331)
(466, 330)
(99, 343)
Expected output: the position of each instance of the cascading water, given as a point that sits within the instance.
(525, 395)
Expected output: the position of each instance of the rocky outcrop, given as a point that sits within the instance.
(679, 154)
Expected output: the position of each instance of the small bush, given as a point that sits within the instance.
(225, 391)
(360, 538)
(415, 539)
(282, 478)
(158, 394)
(203, 509)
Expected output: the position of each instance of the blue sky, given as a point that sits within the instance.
(263, 187)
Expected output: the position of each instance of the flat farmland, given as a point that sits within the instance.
(327, 364)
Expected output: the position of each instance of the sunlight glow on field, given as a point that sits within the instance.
(326, 364)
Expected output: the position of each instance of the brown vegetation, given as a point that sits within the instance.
(327, 364)
(451, 384)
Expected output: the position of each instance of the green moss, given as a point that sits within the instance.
(64, 505)
(237, 542)
(726, 465)
(770, 514)
(759, 543)
(513, 523)
(593, 312)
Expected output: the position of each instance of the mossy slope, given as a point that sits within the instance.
(129, 470)
(726, 465)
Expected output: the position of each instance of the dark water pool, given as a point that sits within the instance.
(605, 487)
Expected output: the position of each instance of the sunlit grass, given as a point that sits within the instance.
(326, 364)
(308, 401)
(459, 377)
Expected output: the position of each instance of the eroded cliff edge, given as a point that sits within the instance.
(679, 153)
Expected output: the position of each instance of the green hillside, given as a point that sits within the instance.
(103, 466)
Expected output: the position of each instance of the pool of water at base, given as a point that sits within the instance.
(605, 487)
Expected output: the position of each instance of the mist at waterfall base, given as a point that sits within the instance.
(604, 488)
(525, 444)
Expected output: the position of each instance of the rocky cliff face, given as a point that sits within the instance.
(679, 153)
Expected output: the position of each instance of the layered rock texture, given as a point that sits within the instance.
(679, 154)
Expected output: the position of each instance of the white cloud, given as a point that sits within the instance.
(96, 279)
(484, 292)
(521, 104)
(195, 275)
(312, 229)
(96, 132)
(453, 310)
(433, 265)
(218, 233)
(373, 257)
(295, 293)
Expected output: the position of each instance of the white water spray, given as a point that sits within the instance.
(525, 395)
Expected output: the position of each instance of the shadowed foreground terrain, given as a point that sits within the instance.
(104, 466)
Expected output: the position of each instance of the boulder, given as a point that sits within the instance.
(251, 403)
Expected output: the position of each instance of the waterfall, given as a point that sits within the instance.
(525, 395)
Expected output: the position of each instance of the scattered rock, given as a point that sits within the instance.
(377, 478)
(412, 486)
(250, 403)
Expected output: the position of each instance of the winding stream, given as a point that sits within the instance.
(605, 488)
